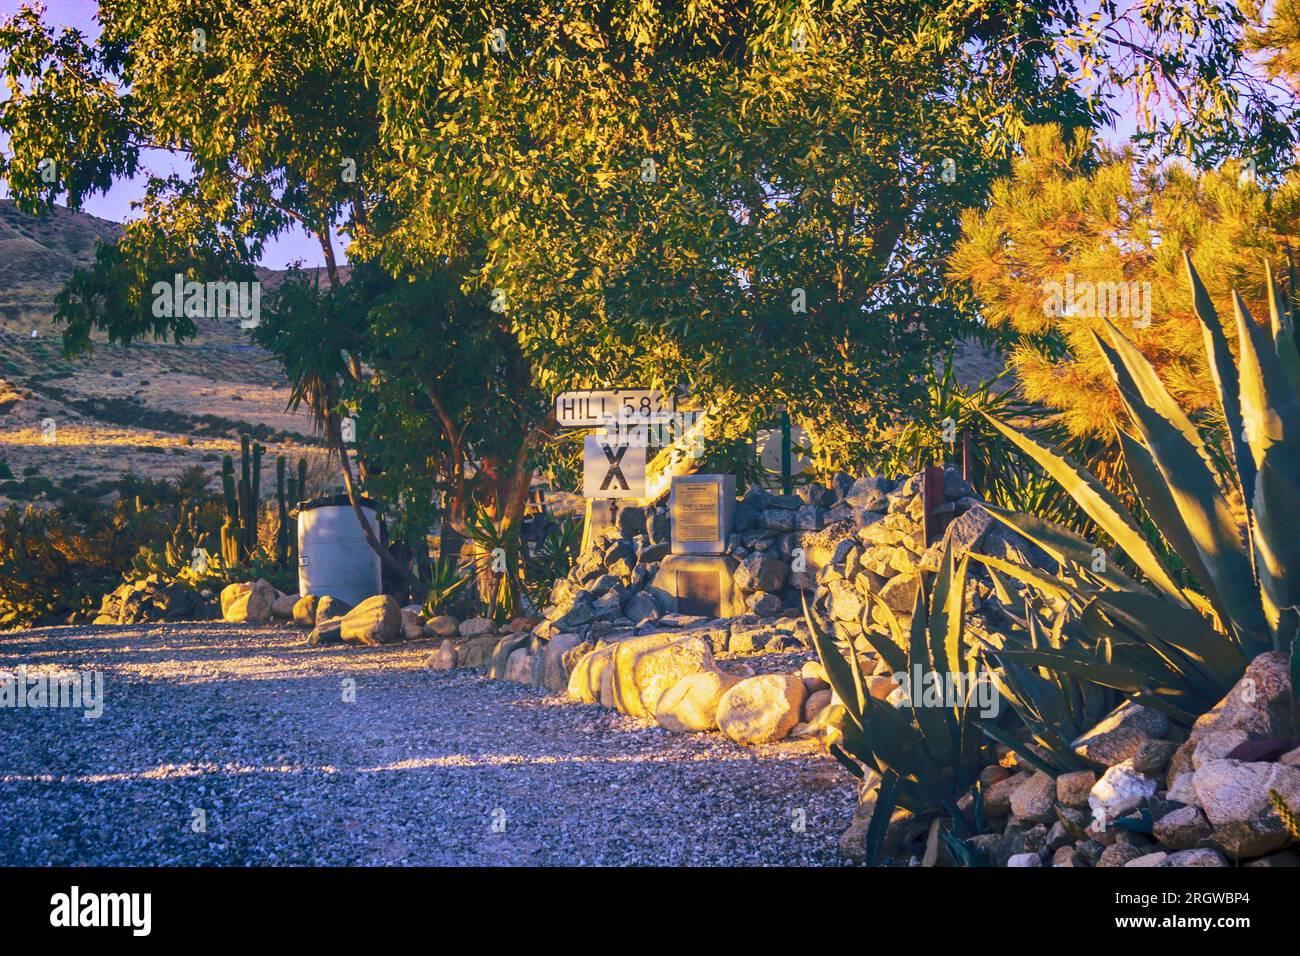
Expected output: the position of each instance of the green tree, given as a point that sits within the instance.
(600, 193)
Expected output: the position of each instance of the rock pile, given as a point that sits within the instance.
(151, 599)
(1157, 796)
(610, 594)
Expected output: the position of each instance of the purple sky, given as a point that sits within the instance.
(290, 247)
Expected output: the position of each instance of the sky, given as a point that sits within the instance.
(294, 246)
(116, 203)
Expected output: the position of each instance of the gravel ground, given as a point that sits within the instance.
(424, 767)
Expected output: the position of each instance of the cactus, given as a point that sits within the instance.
(241, 501)
(229, 543)
(282, 531)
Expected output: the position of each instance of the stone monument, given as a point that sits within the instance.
(698, 578)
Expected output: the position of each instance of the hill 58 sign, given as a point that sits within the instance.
(593, 408)
(611, 470)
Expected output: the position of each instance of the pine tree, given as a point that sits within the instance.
(1079, 222)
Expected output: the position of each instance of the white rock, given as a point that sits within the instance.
(1120, 789)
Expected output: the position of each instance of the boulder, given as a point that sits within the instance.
(691, 704)
(282, 607)
(764, 604)
(645, 667)
(845, 600)
(1156, 858)
(997, 798)
(1120, 790)
(554, 677)
(761, 709)
(1235, 798)
(642, 607)
(444, 625)
(1025, 859)
(330, 606)
(1258, 705)
(326, 632)
(228, 594)
(1121, 733)
(585, 678)
(476, 652)
(816, 702)
(304, 610)
(1033, 800)
(376, 620)
(1181, 829)
(1205, 856)
(1120, 854)
(1072, 789)
(1184, 789)
(506, 645)
(477, 627)
(412, 626)
(519, 666)
(445, 658)
(899, 592)
(761, 572)
(252, 606)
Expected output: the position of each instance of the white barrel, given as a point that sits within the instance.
(333, 556)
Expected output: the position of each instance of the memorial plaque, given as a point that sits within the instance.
(698, 512)
(701, 507)
(699, 592)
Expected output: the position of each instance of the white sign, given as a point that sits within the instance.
(611, 470)
(591, 408)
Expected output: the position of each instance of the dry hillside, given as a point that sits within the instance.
(152, 409)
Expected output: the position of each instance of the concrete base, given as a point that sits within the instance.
(703, 584)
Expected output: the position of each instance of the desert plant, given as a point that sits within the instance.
(1229, 517)
(1054, 706)
(447, 581)
(555, 554)
(928, 755)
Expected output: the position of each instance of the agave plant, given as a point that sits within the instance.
(1230, 518)
(928, 755)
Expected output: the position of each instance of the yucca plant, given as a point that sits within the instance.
(1231, 518)
(446, 580)
(928, 755)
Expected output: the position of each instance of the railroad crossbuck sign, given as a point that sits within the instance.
(611, 470)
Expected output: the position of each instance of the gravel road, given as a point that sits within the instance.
(222, 744)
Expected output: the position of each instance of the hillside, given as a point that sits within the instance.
(151, 410)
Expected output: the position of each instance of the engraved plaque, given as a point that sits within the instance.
(699, 592)
(698, 512)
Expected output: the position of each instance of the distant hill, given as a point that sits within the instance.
(38, 254)
(152, 409)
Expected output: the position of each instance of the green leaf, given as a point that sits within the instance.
(1192, 486)
(1225, 377)
(1108, 675)
(1155, 495)
(1099, 504)
(881, 814)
